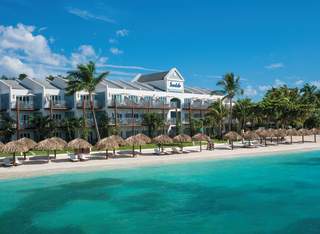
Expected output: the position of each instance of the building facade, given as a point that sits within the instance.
(123, 102)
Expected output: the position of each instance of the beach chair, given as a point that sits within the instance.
(17, 162)
(157, 151)
(73, 157)
(176, 151)
(7, 162)
(84, 157)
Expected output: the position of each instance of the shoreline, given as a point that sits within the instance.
(66, 167)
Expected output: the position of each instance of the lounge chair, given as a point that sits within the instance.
(73, 157)
(84, 157)
(7, 162)
(17, 162)
(176, 151)
(157, 151)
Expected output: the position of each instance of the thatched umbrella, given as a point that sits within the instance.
(315, 132)
(181, 139)
(303, 132)
(201, 137)
(292, 132)
(60, 143)
(1, 145)
(271, 133)
(29, 143)
(279, 133)
(263, 135)
(259, 132)
(231, 137)
(120, 141)
(78, 144)
(107, 144)
(250, 136)
(134, 141)
(14, 147)
(49, 145)
(145, 138)
(161, 140)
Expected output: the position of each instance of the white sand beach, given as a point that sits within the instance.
(40, 167)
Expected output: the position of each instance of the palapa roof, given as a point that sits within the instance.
(232, 136)
(292, 132)
(182, 138)
(14, 147)
(280, 132)
(134, 140)
(262, 133)
(143, 137)
(28, 142)
(303, 132)
(59, 141)
(250, 135)
(107, 143)
(79, 143)
(315, 131)
(119, 140)
(200, 137)
(49, 144)
(162, 139)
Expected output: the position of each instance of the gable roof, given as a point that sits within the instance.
(152, 77)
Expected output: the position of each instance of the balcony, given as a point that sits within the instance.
(24, 105)
(61, 104)
(197, 105)
(96, 105)
(140, 105)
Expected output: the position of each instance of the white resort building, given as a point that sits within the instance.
(124, 102)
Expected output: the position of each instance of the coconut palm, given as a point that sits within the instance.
(153, 122)
(216, 114)
(231, 87)
(86, 79)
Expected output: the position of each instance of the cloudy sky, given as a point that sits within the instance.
(267, 43)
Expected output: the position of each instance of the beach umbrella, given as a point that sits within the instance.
(279, 133)
(161, 140)
(107, 144)
(303, 132)
(292, 132)
(201, 137)
(1, 145)
(60, 143)
(271, 134)
(315, 132)
(78, 144)
(134, 141)
(29, 143)
(181, 139)
(120, 141)
(259, 132)
(49, 145)
(250, 136)
(14, 147)
(231, 137)
(144, 138)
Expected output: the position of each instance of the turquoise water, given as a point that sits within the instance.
(277, 194)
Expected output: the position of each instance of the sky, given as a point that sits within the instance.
(267, 43)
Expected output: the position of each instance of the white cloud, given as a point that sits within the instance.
(112, 41)
(86, 53)
(13, 67)
(278, 83)
(88, 15)
(130, 67)
(299, 82)
(274, 66)
(122, 33)
(249, 91)
(116, 51)
(264, 88)
(316, 83)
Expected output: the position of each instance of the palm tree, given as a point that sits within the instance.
(153, 122)
(42, 124)
(85, 78)
(70, 126)
(216, 114)
(243, 111)
(231, 87)
(7, 128)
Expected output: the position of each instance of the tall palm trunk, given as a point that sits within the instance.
(230, 114)
(94, 116)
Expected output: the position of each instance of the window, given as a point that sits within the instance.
(56, 116)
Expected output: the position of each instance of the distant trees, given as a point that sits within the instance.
(153, 121)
